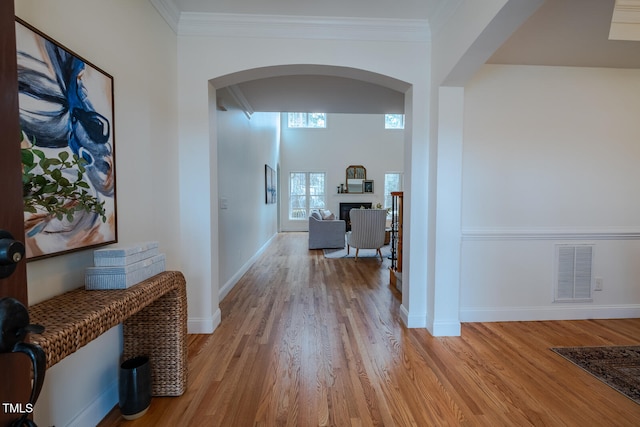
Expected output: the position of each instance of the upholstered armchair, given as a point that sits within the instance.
(367, 230)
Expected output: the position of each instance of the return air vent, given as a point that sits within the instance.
(573, 273)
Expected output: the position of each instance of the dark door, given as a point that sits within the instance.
(14, 368)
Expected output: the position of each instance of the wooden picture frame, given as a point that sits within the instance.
(66, 108)
(355, 176)
(367, 186)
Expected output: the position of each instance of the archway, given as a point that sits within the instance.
(310, 87)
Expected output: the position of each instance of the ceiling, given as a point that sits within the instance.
(320, 93)
(569, 33)
(559, 33)
(314, 88)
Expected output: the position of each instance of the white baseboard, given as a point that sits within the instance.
(226, 288)
(98, 409)
(412, 321)
(564, 312)
(202, 325)
(445, 329)
(437, 329)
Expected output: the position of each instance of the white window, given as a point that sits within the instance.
(392, 182)
(307, 120)
(306, 192)
(394, 121)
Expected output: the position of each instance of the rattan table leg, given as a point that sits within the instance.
(159, 331)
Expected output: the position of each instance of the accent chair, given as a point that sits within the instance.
(367, 230)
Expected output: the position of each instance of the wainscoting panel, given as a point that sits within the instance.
(508, 274)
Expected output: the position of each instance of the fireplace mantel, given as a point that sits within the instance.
(347, 206)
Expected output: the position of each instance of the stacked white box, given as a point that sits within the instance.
(113, 257)
(121, 268)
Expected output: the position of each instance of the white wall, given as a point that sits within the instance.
(464, 37)
(140, 53)
(550, 156)
(246, 223)
(348, 139)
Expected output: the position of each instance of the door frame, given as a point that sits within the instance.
(14, 367)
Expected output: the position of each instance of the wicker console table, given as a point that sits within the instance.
(154, 317)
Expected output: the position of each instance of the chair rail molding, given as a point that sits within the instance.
(550, 233)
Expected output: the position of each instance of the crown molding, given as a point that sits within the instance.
(302, 27)
(291, 27)
(241, 100)
(444, 12)
(169, 11)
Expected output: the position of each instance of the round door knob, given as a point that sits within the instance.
(11, 251)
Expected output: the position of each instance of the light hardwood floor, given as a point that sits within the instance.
(309, 341)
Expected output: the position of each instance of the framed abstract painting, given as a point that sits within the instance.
(269, 184)
(68, 149)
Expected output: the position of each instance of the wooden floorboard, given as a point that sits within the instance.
(310, 341)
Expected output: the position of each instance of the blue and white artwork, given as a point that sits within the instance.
(67, 140)
(270, 185)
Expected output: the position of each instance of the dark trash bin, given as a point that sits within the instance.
(134, 387)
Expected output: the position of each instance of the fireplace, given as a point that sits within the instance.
(346, 207)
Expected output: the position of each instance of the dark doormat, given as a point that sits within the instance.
(616, 366)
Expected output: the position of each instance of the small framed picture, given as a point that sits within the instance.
(270, 184)
(368, 186)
